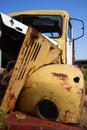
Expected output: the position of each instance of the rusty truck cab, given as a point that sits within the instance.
(54, 24)
(44, 83)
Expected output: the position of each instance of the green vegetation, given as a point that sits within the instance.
(85, 74)
(3, 117)
(85, 77)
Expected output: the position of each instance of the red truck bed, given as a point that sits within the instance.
(33, 123)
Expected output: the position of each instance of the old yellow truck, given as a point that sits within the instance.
(44, 80)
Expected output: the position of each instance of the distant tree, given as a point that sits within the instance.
(85, 74)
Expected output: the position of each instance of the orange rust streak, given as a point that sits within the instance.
(68, 88)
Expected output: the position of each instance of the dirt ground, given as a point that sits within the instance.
(84, 111)
(84, 114)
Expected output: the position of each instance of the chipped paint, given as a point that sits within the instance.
(61, 76)
(30, 59)
(54, 83)
(80, 91)
(65, 116)
(68, 88)
(51, 48)
(64, 80)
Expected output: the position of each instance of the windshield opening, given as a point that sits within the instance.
(49, 25)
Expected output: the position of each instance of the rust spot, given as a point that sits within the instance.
(80, 91)
(51, 48)
(12, 101)
(68, 88)
(51, 93)
(63, 80)
(65, 116)
(16, 68)
(34, 35)
(31, 69)
(61, 76)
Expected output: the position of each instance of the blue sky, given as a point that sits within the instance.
(76, 9)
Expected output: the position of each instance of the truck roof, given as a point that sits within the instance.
(51, 12)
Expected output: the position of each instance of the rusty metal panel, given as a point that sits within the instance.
(32, 123)
(54, 92)
(35, 52)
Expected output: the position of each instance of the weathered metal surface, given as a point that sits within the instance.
(36, 51)
(32, 123)
(63, 39)
(60, 86)
(14, 24)
(54, 92)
